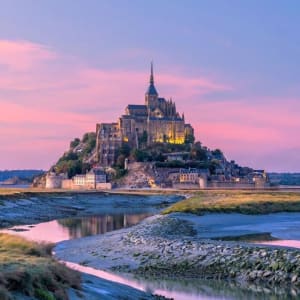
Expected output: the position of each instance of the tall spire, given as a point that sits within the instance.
(151, 75)
(151, 89)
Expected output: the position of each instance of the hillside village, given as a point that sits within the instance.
(149, 146)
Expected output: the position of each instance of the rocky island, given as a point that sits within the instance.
(150, 146)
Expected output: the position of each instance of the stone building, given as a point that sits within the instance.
(109, 139)
(188, 176)
(156, 121)
(54, 181)
(95, 176)
(94, 179)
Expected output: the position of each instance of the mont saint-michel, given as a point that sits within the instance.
(150, 145)
(155, 121)
(122, 179)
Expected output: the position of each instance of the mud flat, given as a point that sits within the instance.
(32, 208)
(167, 247)
(27, 208)
(95, 288)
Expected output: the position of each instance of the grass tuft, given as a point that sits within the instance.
(244, 202)
(28, 268)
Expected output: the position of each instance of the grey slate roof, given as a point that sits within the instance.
(136, 106)
(165, 119)
(151, 90)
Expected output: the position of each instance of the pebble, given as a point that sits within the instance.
(213, 258)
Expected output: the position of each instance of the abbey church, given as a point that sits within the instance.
(157, 121)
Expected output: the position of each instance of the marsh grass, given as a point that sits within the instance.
(28, 268)
(11, 191)
(245, 202)
(15, 194)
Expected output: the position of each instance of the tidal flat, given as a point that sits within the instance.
(242, 201)
(173, 246)
(22, 261)
(31, 207)
(170, 247)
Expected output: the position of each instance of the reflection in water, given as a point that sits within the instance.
(250, 238)
(80, 227)
(58, 230)
(193, 289)
(72, 228)
(283, 243)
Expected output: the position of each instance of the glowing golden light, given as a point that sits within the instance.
(170, 140)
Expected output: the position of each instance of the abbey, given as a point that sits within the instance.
(156, 121)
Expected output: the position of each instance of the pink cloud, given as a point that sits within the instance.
(47, 99)
(21, 55)
(65, 112)
(251, 133)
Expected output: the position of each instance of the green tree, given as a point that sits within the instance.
(75, 143)
(189, 139)
(217, 152)
(198, 153)
(120, 161)
(213, 165)
(143, 139)
(125, 149)
(85, 167)
(85, 137)
(90, 143)
(75, 167)
(140, 155)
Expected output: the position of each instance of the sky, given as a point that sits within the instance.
(232, 67)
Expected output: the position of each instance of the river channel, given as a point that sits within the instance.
(283, 226)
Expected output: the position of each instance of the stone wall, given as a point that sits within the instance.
(67, 184)
(186, 186)
(54, 181)
(103, 186)
(235, 185)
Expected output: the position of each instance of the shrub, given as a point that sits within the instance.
(29, 269)
(75, 143)
(43, 295)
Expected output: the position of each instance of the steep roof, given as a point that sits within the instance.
(136, 106)
(136, 110)
(151, 89)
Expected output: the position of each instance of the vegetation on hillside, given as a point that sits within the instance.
(194, 156)
(245, 202)
(28, 268)
(75, 160)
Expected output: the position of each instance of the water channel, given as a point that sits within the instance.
(285, 226)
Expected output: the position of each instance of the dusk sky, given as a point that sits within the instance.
(232, 67)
